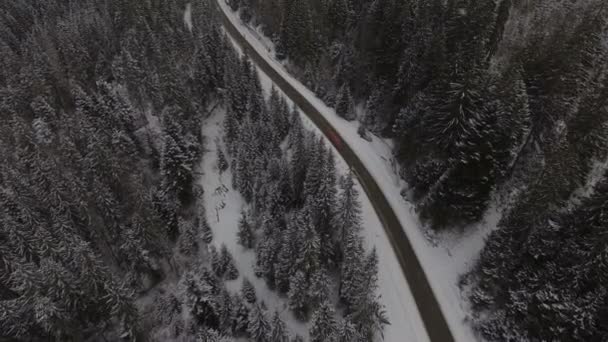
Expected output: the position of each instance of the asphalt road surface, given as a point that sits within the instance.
(432, 316)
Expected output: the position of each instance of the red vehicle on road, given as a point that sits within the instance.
(334, 138)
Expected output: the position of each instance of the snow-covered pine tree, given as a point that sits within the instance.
(282, 119)
(296, 134)
(325, 204)
(372, 109)
(323, 324)
(299, 161)
(298, 301)
(266, 254)
(248, 291)
(368, 313)
(219, 268)
(188, 236)
(232, 273)
(259, 328)
(222, 163)
(278, 331)
(347, 331)
(205, 230)
(231, 131)
(240, 316)
(319, 288)
(225, 312)
(350, 273)
(344, 104)
(245, 234)
(309, 247)
(224, 263)
(288, 252)
(316, 162)
(347, 217)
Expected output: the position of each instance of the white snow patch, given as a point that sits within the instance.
(444, 257)
(596, 175)
(188, 16)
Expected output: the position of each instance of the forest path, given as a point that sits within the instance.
(434, 320)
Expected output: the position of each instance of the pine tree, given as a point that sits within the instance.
(259, 329)
(248, 291)
(323, 325)
(315, 171)
(337, 17)
(319, 288)
(297, 294)
(205, 231)
(279, 330)
(231, 271)
(287, 254)
(222, 163)
(245, 234)
(347, 331)
(299, 161)
(240, 316)
(225, 312)
(187, 240)
(223, 263)
(325, 204)
(309, 249)
(347, 218)
(344, 104)
(266, 254)
(217, 264)
(373, 106)
(367, 312)
(351, 271)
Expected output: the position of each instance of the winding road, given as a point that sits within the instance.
(432, 316)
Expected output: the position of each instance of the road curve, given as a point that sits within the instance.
(434, 321)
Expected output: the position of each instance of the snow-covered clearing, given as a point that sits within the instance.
(444, 257)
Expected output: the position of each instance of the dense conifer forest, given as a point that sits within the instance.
(104, 233)
(93, 197)
(490, 101)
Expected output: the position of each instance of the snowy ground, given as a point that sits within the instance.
(444, 257)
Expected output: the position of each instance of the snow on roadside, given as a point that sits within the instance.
(443, 257)
(406, 324)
